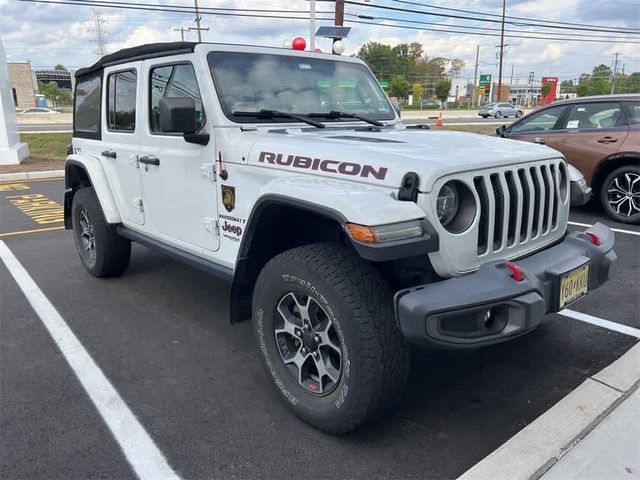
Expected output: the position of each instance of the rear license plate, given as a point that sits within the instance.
(573, 285)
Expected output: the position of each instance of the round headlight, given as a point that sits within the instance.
(447, 203)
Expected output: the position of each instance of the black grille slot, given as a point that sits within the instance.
(536, 201)
(483, 227)
(547, 198)
(526, 199)
(556, 194)
(499, 209)
(513, 208)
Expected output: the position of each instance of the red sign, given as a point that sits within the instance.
(552, 94)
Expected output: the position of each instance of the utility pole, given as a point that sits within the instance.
(197, 27)
(101, 34)
(614, 76)
(530, 95)
(511, 79)
(504, 8)
(338, 17)
(475, 76)
(181, 30)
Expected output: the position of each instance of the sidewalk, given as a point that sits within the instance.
(610, 451)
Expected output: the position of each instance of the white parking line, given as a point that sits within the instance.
(141, 452)
(619, 230)
(616, 327)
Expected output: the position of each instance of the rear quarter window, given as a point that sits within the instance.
(633, 112)
(86, 118)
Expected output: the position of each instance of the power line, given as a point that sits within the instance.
(490, 20)
(474, 12)
(407, 27)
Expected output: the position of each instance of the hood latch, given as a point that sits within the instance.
(409, 187)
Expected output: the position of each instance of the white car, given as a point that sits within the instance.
(345, 235)
(38, 110)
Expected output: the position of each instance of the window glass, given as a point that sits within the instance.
(86, 117)
(250, 82)
(539, 122)
(633, 113)
(121, 101)
(174, 81)
(595, 115)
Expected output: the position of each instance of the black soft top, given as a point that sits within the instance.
(141, 52)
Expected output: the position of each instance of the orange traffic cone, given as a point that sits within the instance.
(439, 121)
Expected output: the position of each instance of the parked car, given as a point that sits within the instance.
(38, 110)
(600, 136)
(499, 110)
(346, 235)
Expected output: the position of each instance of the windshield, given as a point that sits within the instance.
(251, 82)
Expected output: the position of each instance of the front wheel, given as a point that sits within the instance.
(102, 251)
(519, 113)
(325, 327)
(620, 194)
(498, 115)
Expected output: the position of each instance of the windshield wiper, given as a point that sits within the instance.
(278, 114)
(337, 115)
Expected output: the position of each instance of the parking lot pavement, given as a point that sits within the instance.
(161, 336)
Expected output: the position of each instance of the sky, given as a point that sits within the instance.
(48, 34)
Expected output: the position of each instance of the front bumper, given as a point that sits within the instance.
(489, 306)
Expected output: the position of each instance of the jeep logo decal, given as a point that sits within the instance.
(331, 166)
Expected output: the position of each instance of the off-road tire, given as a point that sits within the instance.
(359, 302)
(634, 171)
(111, 251)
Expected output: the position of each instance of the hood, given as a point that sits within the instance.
(383, 157)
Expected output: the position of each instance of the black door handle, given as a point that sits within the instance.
(607, 140)
(109, 153)
(149, 160)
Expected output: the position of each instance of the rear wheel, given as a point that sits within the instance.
(498, 115)
(620, 194)
(102, 251)
(325, 326)
(519, 113)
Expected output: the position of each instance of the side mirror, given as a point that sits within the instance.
(177, 115)
(396, 106)
(501, 131)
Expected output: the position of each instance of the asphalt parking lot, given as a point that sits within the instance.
(161, 336)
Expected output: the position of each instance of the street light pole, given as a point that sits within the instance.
(312, 25)
(504, 7)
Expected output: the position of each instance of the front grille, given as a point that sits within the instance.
(517, 206)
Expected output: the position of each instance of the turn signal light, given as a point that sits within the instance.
(516, 271)
(594, 238)
(361, 233)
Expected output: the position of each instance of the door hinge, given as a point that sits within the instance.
(208, 171)
(137, 202)
(211, 225)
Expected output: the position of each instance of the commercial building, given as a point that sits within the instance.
(23, 84)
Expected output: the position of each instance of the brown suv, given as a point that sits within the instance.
(600, 136)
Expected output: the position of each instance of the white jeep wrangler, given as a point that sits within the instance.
(346, 235)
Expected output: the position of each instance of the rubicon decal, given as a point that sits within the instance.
(323, 165)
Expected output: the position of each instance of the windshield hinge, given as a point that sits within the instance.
(208, 171)
(409, 187)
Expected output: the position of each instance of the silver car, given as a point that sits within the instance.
(499, 110)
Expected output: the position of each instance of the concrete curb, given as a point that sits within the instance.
(10, 177)
(537, 447)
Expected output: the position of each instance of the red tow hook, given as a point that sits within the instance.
(595, 239)
(516, 271)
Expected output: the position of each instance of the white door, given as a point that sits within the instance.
(121, 127)
(180, 200)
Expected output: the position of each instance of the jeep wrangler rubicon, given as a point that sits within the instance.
(345, 235)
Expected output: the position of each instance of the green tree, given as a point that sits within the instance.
(399, 86)
(417, 92)
(546, 89)
(456, 66)
(442, 89)
(59, 67)
(59, 96)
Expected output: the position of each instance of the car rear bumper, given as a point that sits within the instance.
(489, 306)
